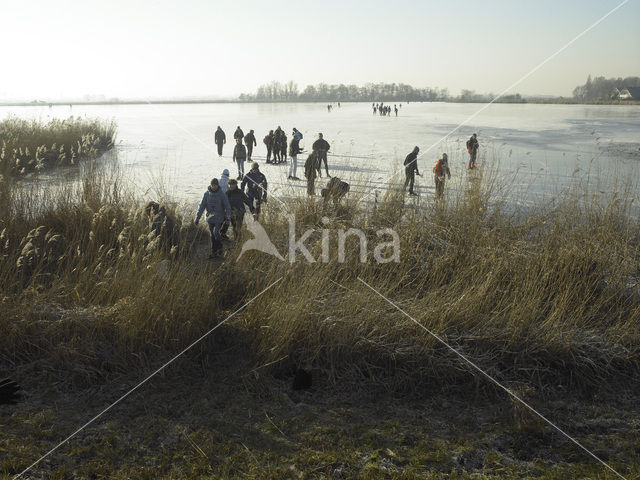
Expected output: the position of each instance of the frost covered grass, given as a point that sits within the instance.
(28, 146)
(92, 284)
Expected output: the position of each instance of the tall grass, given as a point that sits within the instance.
(30, 145)
(551, 294)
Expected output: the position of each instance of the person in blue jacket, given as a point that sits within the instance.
(224, 180)
(216, 203)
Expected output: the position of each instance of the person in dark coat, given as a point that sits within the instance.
(411, 170)
(440, 173)
(220, 139)
(310, 169)
(239, 156)
(238, 134)
(294, 151)
(237, 201)
(336, 189)
(162, 224)
(217, 207)
(321, 147)
(283, 148)
(250, 142)
(268, 142)
(276, 145)
(256, 184)
(472, 148)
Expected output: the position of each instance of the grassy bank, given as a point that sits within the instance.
(549, 293)
(31, 145)
(95, 291)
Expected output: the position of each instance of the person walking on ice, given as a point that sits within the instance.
(239, 156)
(277, 144)
(294, 150)
(256, 184)
(220, 139)
(472, 148)
(268, 141)
(283, 148)
(320, 148)
(250, 142)
(217, 207)
(439, 172)
(238, 134)
(411, 170)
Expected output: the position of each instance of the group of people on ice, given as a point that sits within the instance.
(276, 143)
(441, 171)
(384, 109)
(226, 203)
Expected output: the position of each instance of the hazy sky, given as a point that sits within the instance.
(144, 48)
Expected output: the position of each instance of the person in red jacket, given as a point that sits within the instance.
(439, 172)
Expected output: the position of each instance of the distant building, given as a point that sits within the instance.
(629, 93)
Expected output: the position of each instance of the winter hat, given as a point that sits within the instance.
(225, 172)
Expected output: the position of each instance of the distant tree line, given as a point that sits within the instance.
(470, 96)
(601, 88)
(322, 92)
(595, 90)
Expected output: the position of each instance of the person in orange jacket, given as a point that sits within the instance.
(439, 172)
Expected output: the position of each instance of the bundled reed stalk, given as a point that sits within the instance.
(28, 146)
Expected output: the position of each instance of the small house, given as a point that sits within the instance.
(629, 93)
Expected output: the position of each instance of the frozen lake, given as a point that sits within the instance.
(536, 149)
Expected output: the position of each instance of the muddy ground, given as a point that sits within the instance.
(224, 418)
